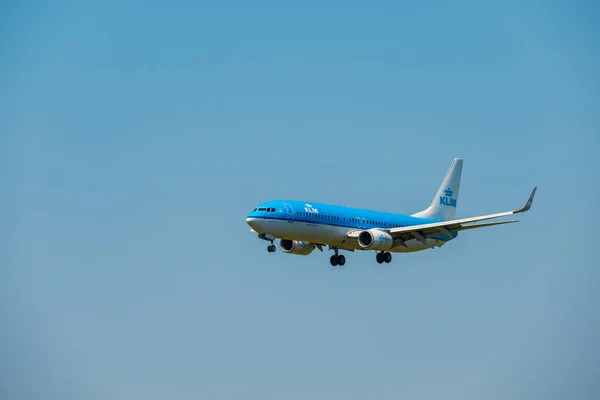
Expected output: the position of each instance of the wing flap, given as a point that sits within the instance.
(466, 228)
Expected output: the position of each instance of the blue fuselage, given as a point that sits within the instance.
(326, 223)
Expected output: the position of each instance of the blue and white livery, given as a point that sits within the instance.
(303, 226)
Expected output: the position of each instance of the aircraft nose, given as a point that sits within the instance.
(254, 224)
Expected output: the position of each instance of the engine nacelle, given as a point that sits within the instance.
(375, 239)
(296, 247)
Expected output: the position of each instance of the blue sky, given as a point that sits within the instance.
(136, 136)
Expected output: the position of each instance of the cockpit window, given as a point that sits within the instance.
(261, 209)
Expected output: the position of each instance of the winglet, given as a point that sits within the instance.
(528, 204)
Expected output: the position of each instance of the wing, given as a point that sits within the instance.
(447, 228)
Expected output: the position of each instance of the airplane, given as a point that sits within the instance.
(303, 226)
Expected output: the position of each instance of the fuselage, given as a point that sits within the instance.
(329, 224)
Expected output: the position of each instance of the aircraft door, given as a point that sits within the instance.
(290, 212)
(360, 222)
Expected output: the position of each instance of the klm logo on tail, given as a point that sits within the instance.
(447, 200)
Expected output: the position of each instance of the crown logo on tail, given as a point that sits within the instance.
(448, 192)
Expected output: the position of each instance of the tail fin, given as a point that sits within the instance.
(443, 206)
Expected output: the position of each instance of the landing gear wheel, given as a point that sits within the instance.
(271, 248)
(384, 257)
(337, 259)
(387, 257)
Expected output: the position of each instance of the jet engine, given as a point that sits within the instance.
(375, 239)
(296, 247)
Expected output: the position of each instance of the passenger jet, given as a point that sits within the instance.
(303, 226)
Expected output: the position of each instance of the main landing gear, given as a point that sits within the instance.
(337, 259)
(271, 248)
(384, 257)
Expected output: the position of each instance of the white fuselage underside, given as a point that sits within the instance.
(334, 236)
